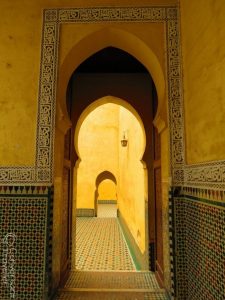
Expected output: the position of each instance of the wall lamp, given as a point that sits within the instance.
(124, 140)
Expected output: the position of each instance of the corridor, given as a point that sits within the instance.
(104, 267)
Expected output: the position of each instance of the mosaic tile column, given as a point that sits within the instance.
(198, 239)
(25, 233)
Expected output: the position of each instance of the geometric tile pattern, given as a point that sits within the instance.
(172, 245)
(200, 246)
(107, 210)
(205, 250)
(23, 234)
(112, 296)
(181, 262)
(112, 285)
(105, 238)
(100, 245)
(107, 201)
(112, 280)
(85, 212)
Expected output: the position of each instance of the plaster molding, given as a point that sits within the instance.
(63, 124)
(160, 124)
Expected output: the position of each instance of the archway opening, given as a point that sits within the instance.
(133, 83)
(106, 197)
(98, 136)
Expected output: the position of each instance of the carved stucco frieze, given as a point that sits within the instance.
(198, 175)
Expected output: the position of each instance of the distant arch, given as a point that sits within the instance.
(105, 175)
(102, 176)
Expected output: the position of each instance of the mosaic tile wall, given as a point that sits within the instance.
(25, 214)
(198, 239)
(107, 201)
(85, 212)
(107, 211)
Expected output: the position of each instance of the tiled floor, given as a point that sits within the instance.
(104, 269)
(112, 280)
(112, 296)
(112, 286)
(100, 245)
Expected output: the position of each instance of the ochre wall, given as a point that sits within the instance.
(107, 190)
(203, 46)
(20, 52)
(132, 178)
(20, 36)
(98, 151)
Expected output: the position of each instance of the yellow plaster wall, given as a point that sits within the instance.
(20, 51)
(145, 41)
(20, 35)
(71, 34)
(107, 190)
(98, 150)
(203, 46)
(131, 197)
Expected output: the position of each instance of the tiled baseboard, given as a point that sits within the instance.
(107, 201)
(85, 212)
(140, 260)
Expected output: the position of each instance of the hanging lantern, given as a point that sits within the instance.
(124, 140)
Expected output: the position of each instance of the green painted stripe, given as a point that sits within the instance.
(107, 201)
(129, 244)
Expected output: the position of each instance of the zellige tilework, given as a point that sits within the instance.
(112, 280)
(112, 296)
(23, 235)
(100, 245)
(199, 226)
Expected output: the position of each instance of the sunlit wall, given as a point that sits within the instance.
(100, 149)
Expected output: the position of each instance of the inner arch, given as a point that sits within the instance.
(104, 100)
(98, 40)
(105, 175)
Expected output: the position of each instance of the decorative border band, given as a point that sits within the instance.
(85, 212)
(212, 175)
